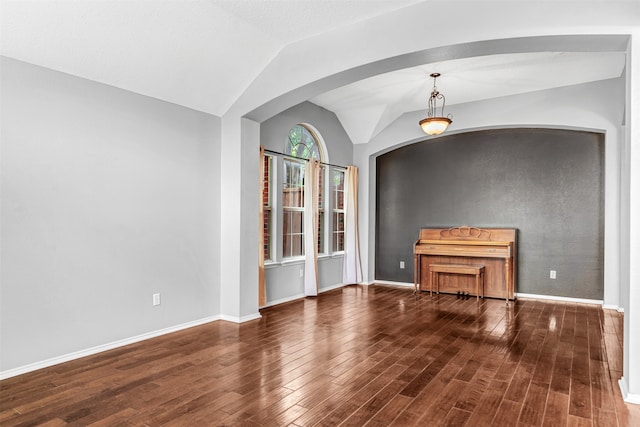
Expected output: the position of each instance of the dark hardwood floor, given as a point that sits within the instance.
(375, 356)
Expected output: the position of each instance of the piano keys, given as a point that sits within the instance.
(496, 248)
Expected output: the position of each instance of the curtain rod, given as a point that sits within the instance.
(297, 158)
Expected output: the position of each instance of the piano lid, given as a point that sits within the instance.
(469, 235)
(463, 242)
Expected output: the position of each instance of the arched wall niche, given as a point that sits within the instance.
(593, 107)
(546, 182)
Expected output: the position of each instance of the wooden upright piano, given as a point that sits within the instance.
(495, 248)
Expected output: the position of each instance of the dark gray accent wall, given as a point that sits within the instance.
(547, 183)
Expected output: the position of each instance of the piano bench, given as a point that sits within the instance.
(476, 270)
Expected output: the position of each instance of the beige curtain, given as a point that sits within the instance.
(351, 269)
(311, 178)
(262, 291)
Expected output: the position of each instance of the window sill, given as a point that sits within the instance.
(289, 261)
(300, 260)
(271, 264)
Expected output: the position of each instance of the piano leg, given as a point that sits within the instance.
(416, 273)
(507, 281)
(431, 280)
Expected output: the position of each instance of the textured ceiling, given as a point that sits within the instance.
(205, 54)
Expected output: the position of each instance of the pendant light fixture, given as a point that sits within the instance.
(434, 125)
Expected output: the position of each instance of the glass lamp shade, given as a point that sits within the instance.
(434, 125)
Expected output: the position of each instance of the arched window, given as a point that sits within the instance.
(302, 144)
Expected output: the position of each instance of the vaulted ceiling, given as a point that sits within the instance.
(204, 54)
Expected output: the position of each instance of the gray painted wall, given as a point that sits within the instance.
(547, 183)
(107, 198)
(283, 281)
(275, 131)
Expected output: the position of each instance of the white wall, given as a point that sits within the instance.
(107, 198)
(239, 194)
(630, 230)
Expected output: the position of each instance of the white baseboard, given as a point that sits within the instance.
(519, 295)
(388, 282)
(100, 348)
(558, 298)
(236, 319)
(282, 300)
(330, 288)
(626, 396)
(613, 307)
(300, 296)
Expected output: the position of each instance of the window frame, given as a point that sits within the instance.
(335, 211)
(292, 209)
(267, 207)
(322, 213)
(319, 152)
(278, 210)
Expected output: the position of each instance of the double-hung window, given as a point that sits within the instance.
(302, 144)
(267, 204)
(321, 215)
(293, 209)
(285, 194)
(337, 191)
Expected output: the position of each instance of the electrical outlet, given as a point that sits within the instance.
(156, 299)
(302, 272)
(401, 264)
(552, 274)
